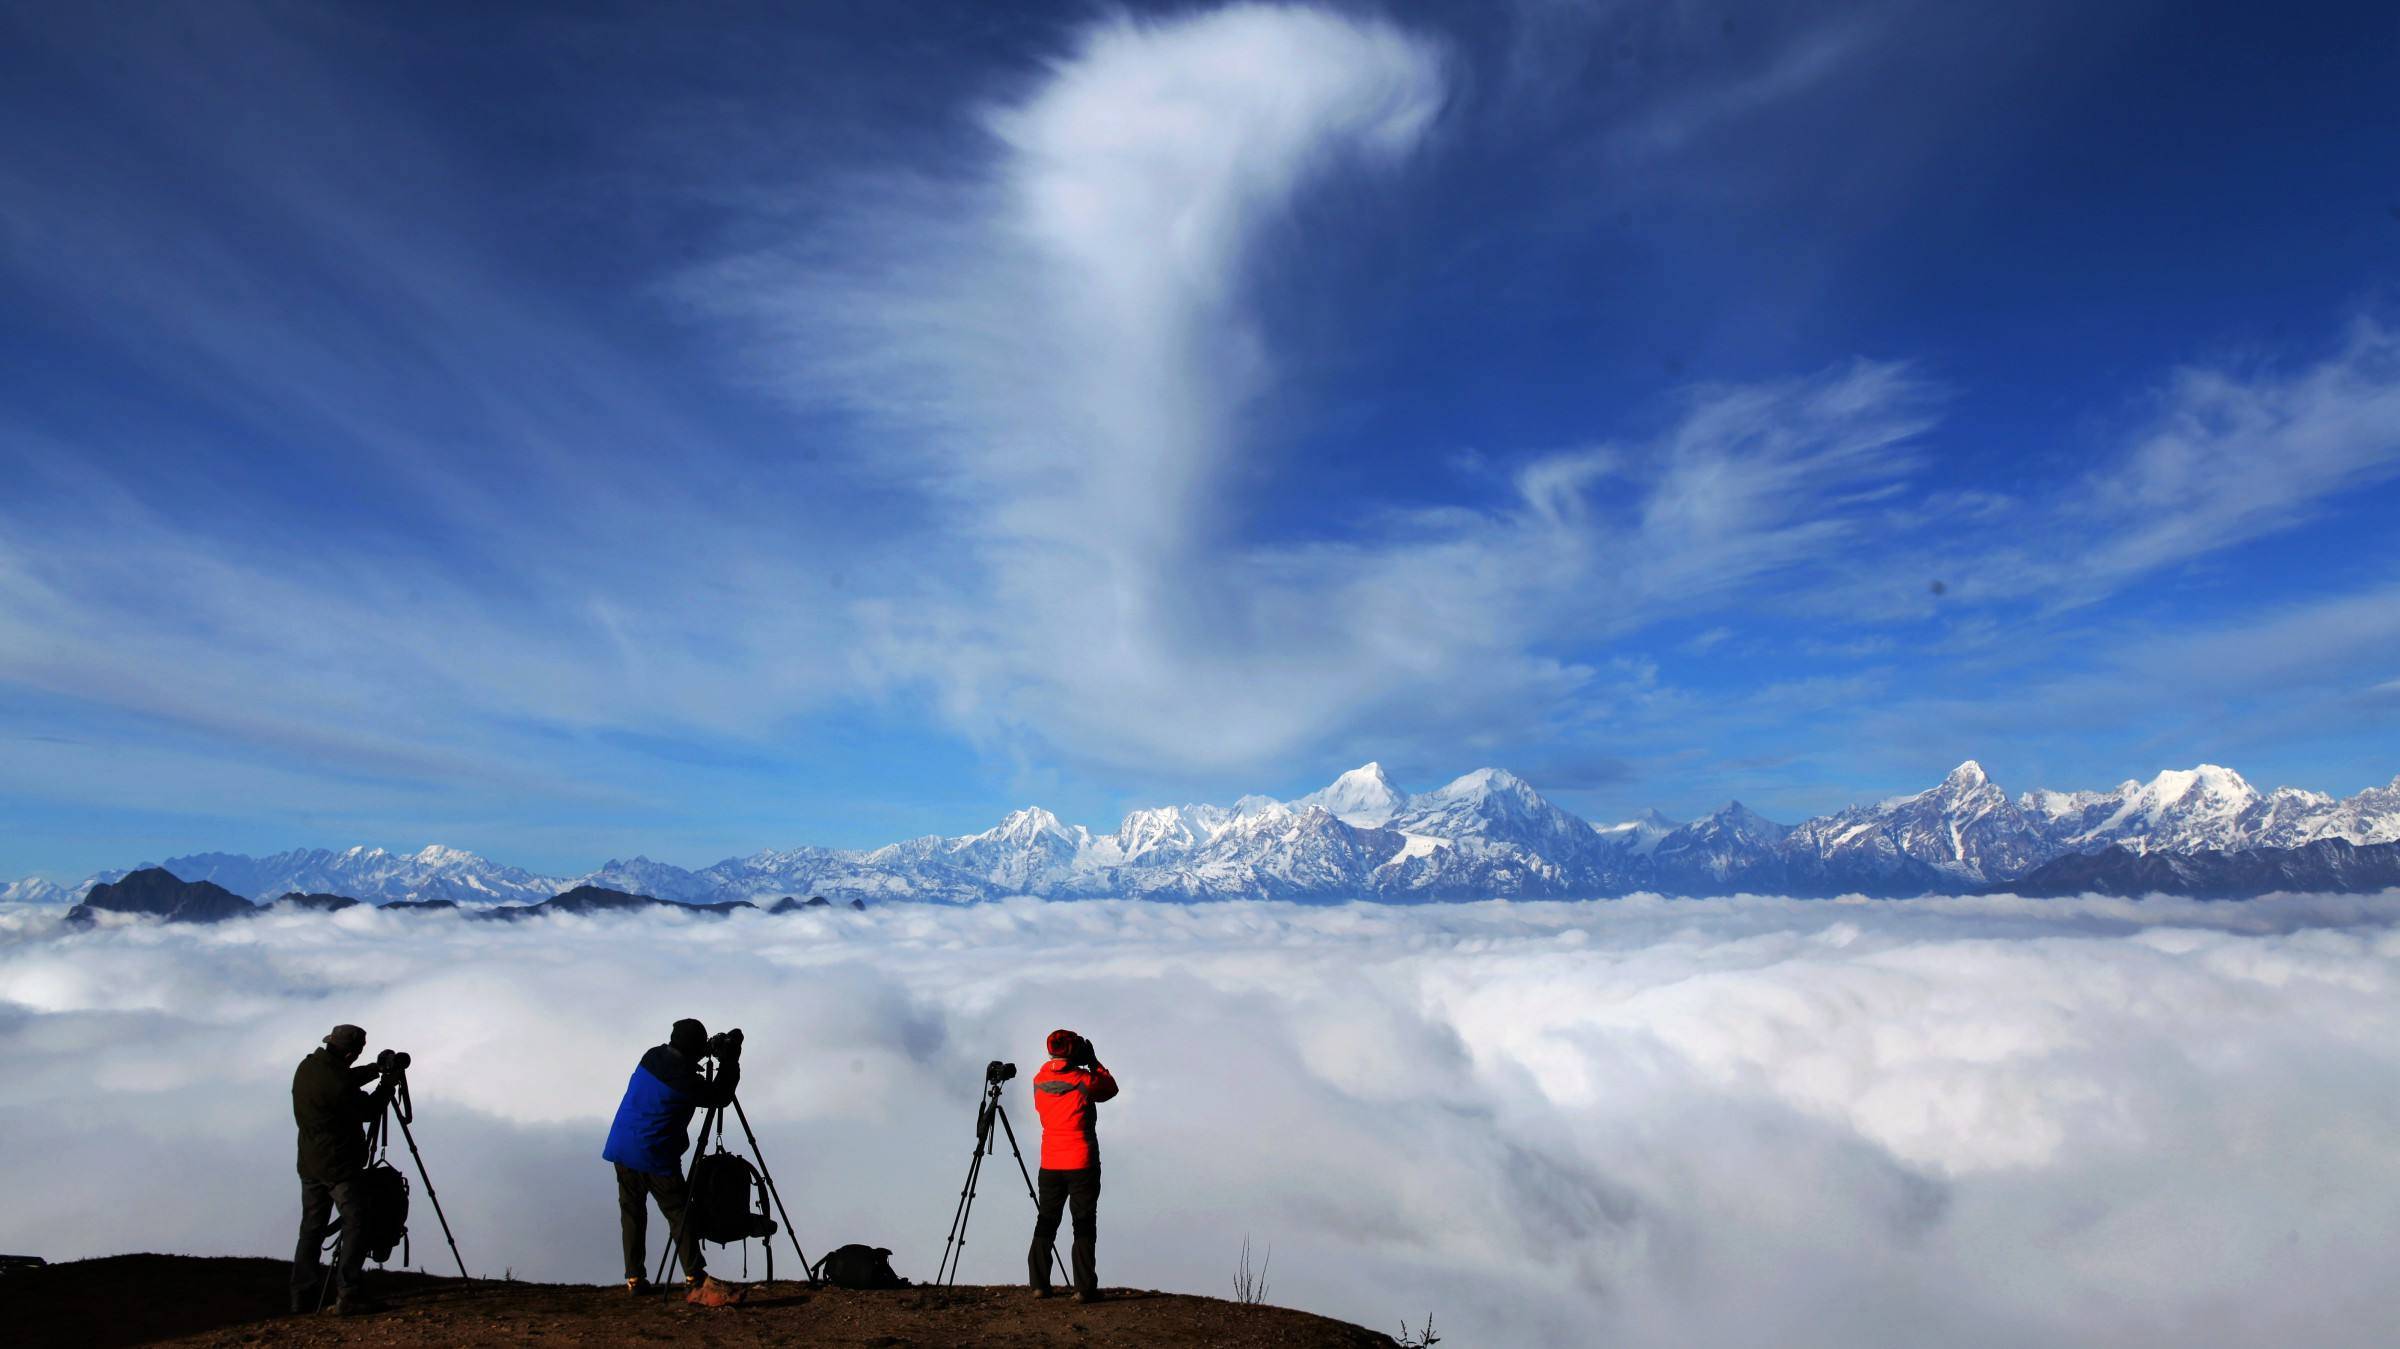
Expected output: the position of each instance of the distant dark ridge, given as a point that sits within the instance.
(161, 894)
(2327, 866)
(589, 899)
(787, 904)
(293, 899)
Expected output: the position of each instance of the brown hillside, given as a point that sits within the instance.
(174, 1299)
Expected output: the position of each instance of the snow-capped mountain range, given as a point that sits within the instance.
(1483, 835)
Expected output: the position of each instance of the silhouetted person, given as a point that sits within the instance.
(651, 1133)
(1066, 1093)
(332, 1114)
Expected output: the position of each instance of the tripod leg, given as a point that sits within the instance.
(955, 1249)
(772, 1191)
(1030, 1193)
(674, 1248)
(411, 1136)
(966, 1194)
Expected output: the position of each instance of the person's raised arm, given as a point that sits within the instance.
(366, 1105)
(1104, 1085)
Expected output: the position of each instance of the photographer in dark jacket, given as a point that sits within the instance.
(332, 1114)
(652, 1131)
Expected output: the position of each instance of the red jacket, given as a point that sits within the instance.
(1064, 1098)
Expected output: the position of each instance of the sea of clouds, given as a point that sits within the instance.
(1642, 1122)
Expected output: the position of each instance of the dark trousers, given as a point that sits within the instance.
(318, 1201)
(635, 1190)
(1077, 1192)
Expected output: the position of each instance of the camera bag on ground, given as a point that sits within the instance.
(381, 1195)
(729, 1199)
(857, 1266)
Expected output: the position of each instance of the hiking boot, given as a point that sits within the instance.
(352, 1304)
(717, 1293)
(1045, 1292)
(1087, 1295)
(637, 1285)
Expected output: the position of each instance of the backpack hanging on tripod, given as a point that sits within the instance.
(729, 1198)
(383, 1210)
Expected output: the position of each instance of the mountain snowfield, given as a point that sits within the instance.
(1484, 835)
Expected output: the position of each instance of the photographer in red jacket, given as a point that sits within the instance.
(1067, 1092)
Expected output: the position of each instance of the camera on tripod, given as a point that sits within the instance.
(391, 1061)
(987, 1142)
(725, 1044)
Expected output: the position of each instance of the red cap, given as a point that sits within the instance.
(1060, 1042)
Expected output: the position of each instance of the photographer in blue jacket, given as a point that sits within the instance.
(652, 1131)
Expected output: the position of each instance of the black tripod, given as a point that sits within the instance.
(397, 1105)
(955, 1249)
(715, 1119)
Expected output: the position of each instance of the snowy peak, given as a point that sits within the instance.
(1255, 804)
(1736, 822)
(1965, 792)
(2180, 810)
(1025, 826)
(1363, 797)
(2288, 817)
(1639, 836)
(2056, 806)
(1482, 783)
(1022, 854)
(35, 890)
(1151, 836)
(1963, 827)
(1492, 807)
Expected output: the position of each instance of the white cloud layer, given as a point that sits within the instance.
(1964, 1122)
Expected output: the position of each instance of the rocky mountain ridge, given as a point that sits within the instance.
(1485, 834)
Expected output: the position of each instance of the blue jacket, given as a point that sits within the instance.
(653, 1124)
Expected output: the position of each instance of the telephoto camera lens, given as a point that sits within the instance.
(392, 1061)
(996, 1071)
(726, 1044)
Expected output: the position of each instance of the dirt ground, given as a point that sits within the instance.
(191, 1300)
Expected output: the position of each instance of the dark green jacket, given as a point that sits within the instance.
(332, 1114)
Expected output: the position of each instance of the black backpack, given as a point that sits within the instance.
(380, 1196)
(729, 1200)
(857, 1266)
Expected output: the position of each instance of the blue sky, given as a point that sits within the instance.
(585, 432)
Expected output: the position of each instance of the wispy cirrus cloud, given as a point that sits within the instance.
(1069, 345)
